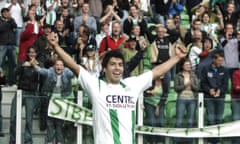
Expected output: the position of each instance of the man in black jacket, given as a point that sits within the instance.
(8, 43)
(214, 83)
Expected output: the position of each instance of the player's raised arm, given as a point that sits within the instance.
(161, 69)
(68, 61)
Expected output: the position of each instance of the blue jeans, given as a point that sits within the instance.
(153, 120)
(166, 85)
(55, 130)
(0, 109)
(30, 102)
(18, 35)
(214, 109)
(235, 116)
(188, 106)
(9, 51)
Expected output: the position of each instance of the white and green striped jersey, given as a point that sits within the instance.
(114, 106)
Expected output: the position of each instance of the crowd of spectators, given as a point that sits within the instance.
(146, 31)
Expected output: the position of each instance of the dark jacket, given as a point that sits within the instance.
(28, 78)
(216, 78)
(7, 34)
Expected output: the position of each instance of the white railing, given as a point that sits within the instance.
(79, 126)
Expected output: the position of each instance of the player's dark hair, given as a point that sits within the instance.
(113, 53)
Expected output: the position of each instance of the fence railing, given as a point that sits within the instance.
(140, 110)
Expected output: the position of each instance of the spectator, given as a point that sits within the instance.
(205, 55)
(161, 52)
(162, 10)
(229, 43)
(196, 25)
(210, 28)
(110, 16)
(28, 82)
(195, 49)
(130, 52)
(45, 56)
(235, 94)
(90, 60)
(230, 15)
(187, 85)
(57, 85)
(214, 84)
(103, 33)
(85, 19)
(77, 7)
(8, 43)
(68, 27)
(2, 82)
(41, 45)
(33, 31)
(52, 6)
(113, 41)
(144, 8)
(84, 39)
(65, 4)
(17, 11)
(134, 18)
(154, 115)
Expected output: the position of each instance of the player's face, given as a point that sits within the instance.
(114, 70)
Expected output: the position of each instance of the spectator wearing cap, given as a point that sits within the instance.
(8, 43)
(130, 52)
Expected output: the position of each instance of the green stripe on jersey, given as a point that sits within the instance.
(115, 126)
(133, 127)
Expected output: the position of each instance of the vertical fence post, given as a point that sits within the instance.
(19, 117)
(79, 126)
(200, 115)
(140, 118)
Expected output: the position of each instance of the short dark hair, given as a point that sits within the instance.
(110, 54)
(4, 10)
(217, 54)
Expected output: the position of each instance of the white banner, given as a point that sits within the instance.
(67, 110)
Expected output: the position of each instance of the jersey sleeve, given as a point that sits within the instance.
(88, 82)
(141, 82)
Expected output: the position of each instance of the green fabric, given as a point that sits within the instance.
(146, 59)
(155, 99)
(133, 126)
(115, 126)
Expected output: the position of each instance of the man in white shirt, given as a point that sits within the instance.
(113, 98)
